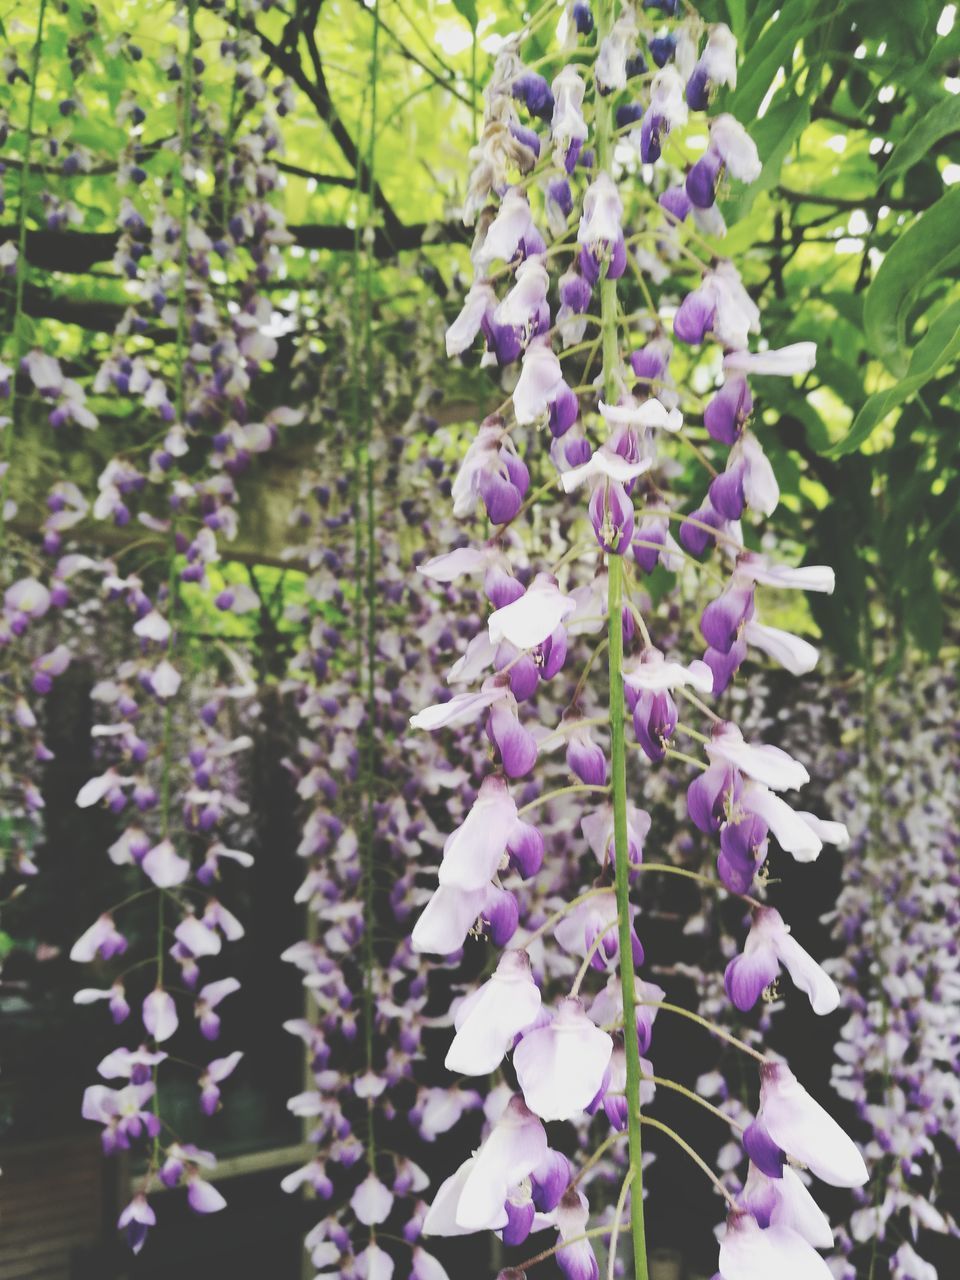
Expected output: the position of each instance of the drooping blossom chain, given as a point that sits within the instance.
(623, 430)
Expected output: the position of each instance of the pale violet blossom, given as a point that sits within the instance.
(532, 618)
(490, 1018)
(769, 945)
(749, 1253)
(560, 1066)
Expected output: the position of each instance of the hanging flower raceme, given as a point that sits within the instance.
(170, 755)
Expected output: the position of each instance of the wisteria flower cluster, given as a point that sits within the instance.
(619, 436)
(896, 1057)
(167, 737)
(368, 991)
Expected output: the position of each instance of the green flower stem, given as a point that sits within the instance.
(617, 709)
(668, 869)
(369, 868)
(664, 1083)
(617, 1219)
(562, 1244)
(712, 1027)
(698, 1160)
(685, 759)
(557, 916)
(562, 791)
(597, 1156)
(700, 705)
(592, 950)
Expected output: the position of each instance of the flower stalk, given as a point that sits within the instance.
(618, 756)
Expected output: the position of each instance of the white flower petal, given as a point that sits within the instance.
(793, 834)
(473, 852)
(765, 764)
(491, 1017)
(776, 1253)
(513, 1150)
(797, 1123)
(650, 413)
(793, 653)
(783, 363)
(532, 618)
(461, 709)
(371, 1201)
(560, 1067)
(446, 920)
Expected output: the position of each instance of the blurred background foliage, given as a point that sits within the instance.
(851, 236)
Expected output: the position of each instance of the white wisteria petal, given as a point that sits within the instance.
(794, 836)
(540, 376)
(473, 852)
(808, 975)
(784, 362)
(455, 564)
(198, 939)
(441, 1219)
(765, 764)
(600, 222)
(749, 1253)
(604, 462)
(560, 1066)
(736, 148)
(479, 300)
(152, 626)
(513, 221)
(650, 413)
(90, 995)
(165, 680)
(808, 577)
(165, 866)
(908, 1265)
(461, 709)
(770, 944)
(160, 1014)
(797, 1209)
(374, 1263)
(760, 489)
(371, 1201)
(793, 653)
(525, 298)
(94, 790)
(805, 1131)
(834, 833)
(477, 658)
(514, 1148)
(426, 1266)
(654, 673)
(533, 617)
(490, 1018)
(446, 920)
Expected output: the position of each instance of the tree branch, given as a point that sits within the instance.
(75, 252)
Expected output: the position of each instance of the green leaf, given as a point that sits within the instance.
(468, 9)
(939, 345)
(929, 246)
(942, 120)
(773, 49)
(737, 13)
(774, 133)
(923, 611)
